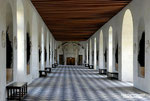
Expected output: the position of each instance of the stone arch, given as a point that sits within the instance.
(65, 43)
(75, 51)
(110, 52)
(9, 44)
(127, 47)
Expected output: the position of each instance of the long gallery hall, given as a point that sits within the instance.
(74, 50)
(77, 83)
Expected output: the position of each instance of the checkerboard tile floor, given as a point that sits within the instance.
(77, 83)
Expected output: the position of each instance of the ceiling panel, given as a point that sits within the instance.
(77, 20)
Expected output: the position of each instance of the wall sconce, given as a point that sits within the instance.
(15, 42)
(39, 47)
(134, 48)
(147, 45)
(119, 49)
(3, 39)
(113, 50)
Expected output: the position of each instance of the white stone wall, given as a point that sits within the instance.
(27, 17)
(139, 10)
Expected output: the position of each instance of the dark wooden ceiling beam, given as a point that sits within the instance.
(77, 19)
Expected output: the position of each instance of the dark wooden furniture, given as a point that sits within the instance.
(112, 75)
(16, 90)
(86, 65)
(56, 64)
(102, 71)
(53, 66)
(70, 61)
(91, 67)
(48, 69)
(61, 59)
(42, 73)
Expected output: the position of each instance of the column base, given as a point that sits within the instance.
(102, 71)
(112, 75)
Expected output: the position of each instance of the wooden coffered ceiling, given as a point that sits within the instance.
(77, 20)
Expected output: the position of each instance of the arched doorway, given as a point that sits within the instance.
(9, 44)
(110, 47)
(71, 53)
(127, 47)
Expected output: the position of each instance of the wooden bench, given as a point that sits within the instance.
(102, 71)
(112, 75)
(17, 90)
(42, 73)
(53, 66)
(86, 65)
(91, 67)
(56, 64)
(48, 69)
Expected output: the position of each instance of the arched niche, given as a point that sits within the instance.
(45, 54)
(101, 49)
(127, 47)
(55, 58)
(110, 47)
(28, 44)
(105, 55)
(39, 55)
(141, 49)
(49, 51)
(9, 44)
(116, 55)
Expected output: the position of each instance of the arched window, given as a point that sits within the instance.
(20, 38)
(127, 47)
(110, 45)
(101, 53)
